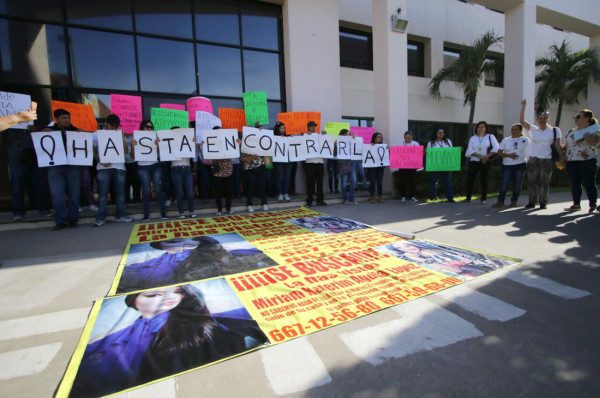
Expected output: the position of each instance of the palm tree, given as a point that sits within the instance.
(564, 76)
(468, 70)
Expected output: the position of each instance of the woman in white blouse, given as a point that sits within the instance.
(407, 176)
(482, 147)
(512, 151)
(540, 164)
(439, 141)
(581, 151)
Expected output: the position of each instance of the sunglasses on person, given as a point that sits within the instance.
(149, 126)
(577, 116)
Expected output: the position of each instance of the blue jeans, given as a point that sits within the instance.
(344, 180)
(283, 172)
(31, 180)
(183, 180)
(376, 178)
(105, 177)
(152, 174)
(512, 173)
(360, 172)
(445, 176)
(65, 180)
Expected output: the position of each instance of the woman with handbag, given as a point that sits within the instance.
(544, 151)
(482, 147)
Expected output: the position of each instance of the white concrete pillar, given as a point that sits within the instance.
(594, 88)
(519, 62)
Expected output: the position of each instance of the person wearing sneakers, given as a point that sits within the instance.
(407, 176)
(255, 173)
(482, 147)
(347, 176)
(438, 140)
(183, 181)
(111, 173)
(512, 151)
(376, 174)
(283, 170)
(314, 169)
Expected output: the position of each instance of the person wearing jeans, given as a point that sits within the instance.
(255, 172)
(512, 151)
(439, 141)
(183, 181)
(481, 148)
(376, 174)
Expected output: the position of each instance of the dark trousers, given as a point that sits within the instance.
(132, 182)
(30, 180)
(407, 182)
(375, 178)
(583, 172)
(223, 190)
(255, 180)
(204, 180)
(314, 175)
(483, 169)
(333, 172)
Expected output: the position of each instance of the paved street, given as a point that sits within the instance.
(530, 331)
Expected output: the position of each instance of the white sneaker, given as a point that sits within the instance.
(99, 223)
(124, 219)
(265, 208)
(80, 209)
(219, 213)
(250, 209)
(413, 199)
(403, 200)
(94, 207)
(286, 197)
(167, 203)
(280, 198)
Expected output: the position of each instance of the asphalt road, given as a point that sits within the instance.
(531, 331)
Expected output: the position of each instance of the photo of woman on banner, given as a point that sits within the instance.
(189, 259)
(449, 260)
(175, 329)
(327, 224)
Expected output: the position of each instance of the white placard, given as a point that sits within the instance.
(327, 146)
(11, 103)
(166, 145)
(80, 148)
(220, 144)
(205, 121)
(146, 149)
(184, 144)
(312, 145)
(49, 148)
(344, 147)
(357, 148)
(280, 148)
(110, 146)
(297, 148)
(257, 142)
(376, 155)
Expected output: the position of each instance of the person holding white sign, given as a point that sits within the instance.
(283, 170)
(376, 174)
(27, 116)
(347, 175)
(183, 181)
(110, 172)
(255, 173)
(314, 169)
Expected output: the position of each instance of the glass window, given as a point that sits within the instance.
(167, 18)
(47, 10)
(102, 60)
(226, 103)
(450, 55)
(100, 103)
(112, 14)
(154, 102)
(259, 26)
(356, 49)
(274, 109)
(219, 70)
(261, 73)
(415, 58)
(33, 53)
(217, 21)
(166, 66)
(496, 77)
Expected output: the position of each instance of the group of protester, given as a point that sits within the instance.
(531, 149)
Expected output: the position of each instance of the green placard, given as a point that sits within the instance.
(165, 119)
(443, 159)
(334, 128)
(255, 106)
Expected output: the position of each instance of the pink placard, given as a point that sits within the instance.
(199, 104)
(365, 132)
(129, 109)
(406, 157)
(178, 107)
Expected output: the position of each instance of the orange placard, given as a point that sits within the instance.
(82, 116)
(295, 122)
(232, 118)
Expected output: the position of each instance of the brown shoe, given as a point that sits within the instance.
(497, 205)
(371, 199)
(380, 199)
(513, 203)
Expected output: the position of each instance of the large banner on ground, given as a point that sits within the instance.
(193, 292)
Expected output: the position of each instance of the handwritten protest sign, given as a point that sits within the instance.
(406, 157)
(232, 118)
(110, 146)
(334, 128)
(220, 144)
(49, 148)
(364, 132)
(80, 148)
(82, 116)
(257, 142)
(255, 105)
(295, 122)
(11, 103)
(178, 107)
(146, 149)
(327, 146)
(176, 144)
(344, 147)
(357, 148)
(205, 121)
(442, 159)
(376, 155)
(164, 119)
(297, 148)
(199, 104)
(129, 109)
(280, 149)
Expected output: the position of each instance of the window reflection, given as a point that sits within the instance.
(262, 73)
(172, 18)
(102, 60)
(356, 49)
(48, 10)
(33, 53)
(219, 70)
(274, 109)
(155, 101)
(100, 103)
(113, 14)
(166, 66)
(259, 27)
(217, 21)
